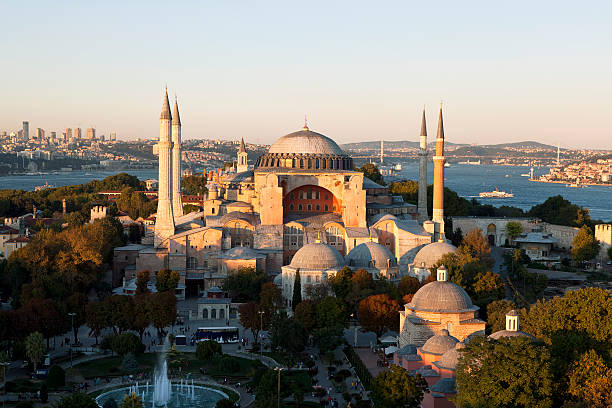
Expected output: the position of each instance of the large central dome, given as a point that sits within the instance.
(305, 150)
(306, 142)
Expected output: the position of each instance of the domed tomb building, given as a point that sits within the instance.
(315, 262)
(437, 306)
(428, 257)
(374, 258)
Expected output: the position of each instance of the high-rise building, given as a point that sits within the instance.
(77, 133)
(40, 134)
(68, 134)
(53, 135)
(91, 133)
(25, 133)
(113, 136)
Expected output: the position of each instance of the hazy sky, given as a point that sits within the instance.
(507, 71)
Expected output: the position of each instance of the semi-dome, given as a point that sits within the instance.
(440, 343)
(510, 333)
(430, 254)
(450, 358)
(370, 255)
(306, 150)
(317, 256)
(306, 141)
(441, 297)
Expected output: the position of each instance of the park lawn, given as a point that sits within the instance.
(110, 366)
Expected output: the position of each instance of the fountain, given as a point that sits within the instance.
(160, 393)
(162, 390)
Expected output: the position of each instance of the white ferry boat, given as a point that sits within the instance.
(496, 194)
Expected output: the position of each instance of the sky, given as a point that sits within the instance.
(360, 70)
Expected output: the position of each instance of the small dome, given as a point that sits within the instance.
(278, 280)
(441, 297)
(440, 343)
(306, 142)
(317, 256)
(430, 254)
(450, 358)
(370, 254)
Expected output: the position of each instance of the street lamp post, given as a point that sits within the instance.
(279, 369)
(72, 314)
(5, 365)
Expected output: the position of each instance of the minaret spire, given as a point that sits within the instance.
(165, 113)
(305, 123)
(438, 195)
(177, 169)
(422, 194)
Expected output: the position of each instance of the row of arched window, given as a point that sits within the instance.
(324, 163)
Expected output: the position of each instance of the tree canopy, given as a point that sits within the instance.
(397, 388)
(370, 171)
(511, 372)
(584, 246)
(557, 210)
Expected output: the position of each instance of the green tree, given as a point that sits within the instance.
(590, 380)
(270, 298)
(328, 339)
(75, 219)
(35, 348)
(341, 282)
(110, 403)
(167, 280)
(370, 171)
(408, 285)
(56, 377)
(207, 349)
(297, 291)
(76, 400)
(513, 229)
(306, 314)
(476, 244)
(125, 343)
(397, 388)
(194, 185)
(245, 284)
(511, 372)
(331, 312)
(584, 246)
(131, 401)
(496, 314)
(557, 210)
(488, 287)
(287, 334)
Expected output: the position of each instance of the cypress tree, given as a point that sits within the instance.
(297, 291)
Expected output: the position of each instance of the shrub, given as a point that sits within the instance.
(110, 403)
(107, 342)
(207, 349)
(44, 393)
(129, 363)
(127, 343)
(227, 364)
(224, 403)
(24, 404)
(56, 377)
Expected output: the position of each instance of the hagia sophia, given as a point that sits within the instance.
(301, 206)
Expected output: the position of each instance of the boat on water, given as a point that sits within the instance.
(495, 194)
(447, 164)
(473, 163)
(398, 167)
(44, 186)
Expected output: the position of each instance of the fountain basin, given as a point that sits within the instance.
(183, 396)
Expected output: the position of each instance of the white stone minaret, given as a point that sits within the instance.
(164, 221)
(177, 200)
(422, 202)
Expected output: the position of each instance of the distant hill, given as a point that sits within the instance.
(402, 144)
(524, 145)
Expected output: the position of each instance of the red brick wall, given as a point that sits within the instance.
(293, 203)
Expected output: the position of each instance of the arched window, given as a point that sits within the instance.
(192, 262)
(318, 207)
(291, 207)
(300, 207)
(293, 237)
(335, 237)
(309, 207)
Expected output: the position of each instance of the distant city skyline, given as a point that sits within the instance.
(506, 72)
